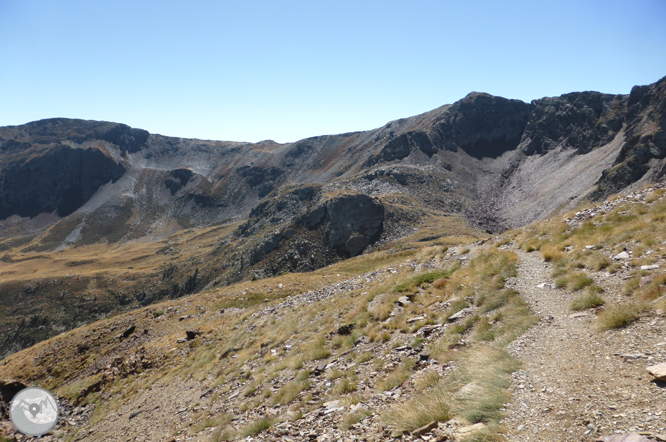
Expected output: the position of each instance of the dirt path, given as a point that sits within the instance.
(575, 383)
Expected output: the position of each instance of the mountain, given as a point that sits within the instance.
(98, 216)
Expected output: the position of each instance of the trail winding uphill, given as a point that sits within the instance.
(577, 383)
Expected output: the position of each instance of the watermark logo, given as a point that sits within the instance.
(34, 411)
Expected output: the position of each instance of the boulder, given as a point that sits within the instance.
(8, 388)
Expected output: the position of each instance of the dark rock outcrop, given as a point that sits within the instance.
(355, 221)
(482, 125)
(582, 121)
(645, 140)
(341, 227)
(126, 138)
(61, 179)
(178, 179)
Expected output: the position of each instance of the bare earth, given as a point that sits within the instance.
(578, 384)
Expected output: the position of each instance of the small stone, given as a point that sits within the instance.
(650, 267)
(621, 255)
(416, 319)
(458, 315)
(632, 356)
(578, 315)
(424, 429)
(626, 438)
(645, 280)
(658, 371)
(191, 334)
(403, 301)
(464, 431)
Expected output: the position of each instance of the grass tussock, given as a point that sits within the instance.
(489, 370)
(397, 377)
(289, 392)
(345, 385)
(256, 427)
(354, 418)
(428, 407)
(414, 282)
(551, 253)
(618, 316)
(590, 300)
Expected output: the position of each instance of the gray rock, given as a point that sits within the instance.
(658, 371)
(424, 429)
(650, 267)
(626, 438)
(460, 314)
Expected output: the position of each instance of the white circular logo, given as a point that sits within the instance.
(34, 411)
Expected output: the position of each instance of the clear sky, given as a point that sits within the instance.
(285, 70)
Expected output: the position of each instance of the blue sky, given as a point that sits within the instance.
(285, 70)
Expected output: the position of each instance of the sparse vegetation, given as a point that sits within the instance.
(590, 300)
(618, 316)
(257, 426)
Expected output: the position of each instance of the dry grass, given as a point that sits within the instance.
(551, 253)
(345, 385)
(428, 407)
(257, 426)
(590, 300)
(618, 316)
(354, 418)
(397, 377)
(238, 348)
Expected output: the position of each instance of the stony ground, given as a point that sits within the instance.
(576, 383)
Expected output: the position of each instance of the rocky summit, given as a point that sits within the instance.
(489, 270)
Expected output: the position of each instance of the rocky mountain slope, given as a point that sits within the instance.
(181, 215)
(134, 183)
